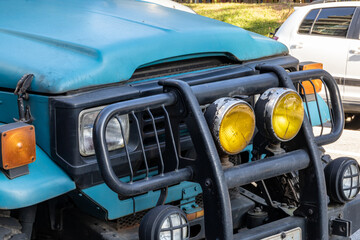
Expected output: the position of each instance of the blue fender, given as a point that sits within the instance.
(314, 111)
(46, 180)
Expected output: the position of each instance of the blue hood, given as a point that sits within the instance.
(71, 44)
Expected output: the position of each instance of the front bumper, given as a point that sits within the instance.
(348, 212)
(181, 102)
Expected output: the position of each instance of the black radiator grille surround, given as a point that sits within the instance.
(65, 110)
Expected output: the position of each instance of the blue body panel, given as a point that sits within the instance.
(103, 196)
(45, 181)
(70, 44)
(39, 106)
(39, 109)
(314, 112)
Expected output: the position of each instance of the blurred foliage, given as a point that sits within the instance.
(261, 18)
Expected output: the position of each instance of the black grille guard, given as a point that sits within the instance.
(179, 100)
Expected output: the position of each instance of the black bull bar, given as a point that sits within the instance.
(179, 100)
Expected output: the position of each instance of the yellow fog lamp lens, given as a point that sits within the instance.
(281, 112)
(288, 116)
(17, 145)
(232, 122)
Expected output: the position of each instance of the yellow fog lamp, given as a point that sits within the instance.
(279, 114)
(17, 148)
(232, 123)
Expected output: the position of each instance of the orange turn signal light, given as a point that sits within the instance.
(17, 145)
(308, 87)
(195, 215)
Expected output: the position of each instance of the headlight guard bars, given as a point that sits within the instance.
(180, 100)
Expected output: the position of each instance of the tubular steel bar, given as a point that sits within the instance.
(327, 103)
(126, 149)
(339, 119)
(314, 194)
(250, 85)
(206, 93)
(173, 144)
(266, 168)
(318, 108)
(255, 84)
(207, 169)
(102, 153)
(162, 167)
(209, 172)
(141, 143)
(306, 101)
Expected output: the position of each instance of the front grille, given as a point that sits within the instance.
(177, 67)
(149, 129)
(130, 220)
(199, 200)
(157, 118)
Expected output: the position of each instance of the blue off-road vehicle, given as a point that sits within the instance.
(124, 119)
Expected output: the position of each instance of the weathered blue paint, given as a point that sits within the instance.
(39, 106)
(314, 114)
(249, 149)
(69, 44)
(8, 107)
(45, 181)
(188, 204)
(103, 196)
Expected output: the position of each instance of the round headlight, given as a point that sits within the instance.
(342, 179)
(279, 114)
(232, 123)
(164, 222)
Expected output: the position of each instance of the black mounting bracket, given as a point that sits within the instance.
(341, 227)
(20, 90)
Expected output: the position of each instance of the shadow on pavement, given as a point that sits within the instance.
(353, 122)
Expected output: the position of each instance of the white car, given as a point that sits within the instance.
(328, 33)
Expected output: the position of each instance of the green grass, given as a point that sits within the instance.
(260, 18)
